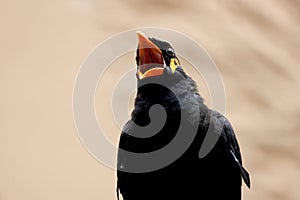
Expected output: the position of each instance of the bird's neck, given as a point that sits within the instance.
(178, 100)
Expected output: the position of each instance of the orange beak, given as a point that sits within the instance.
(151, 62)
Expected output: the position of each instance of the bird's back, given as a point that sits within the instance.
(215, 176)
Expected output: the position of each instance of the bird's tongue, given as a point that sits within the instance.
(150, 56)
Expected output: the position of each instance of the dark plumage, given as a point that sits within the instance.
(216, 176)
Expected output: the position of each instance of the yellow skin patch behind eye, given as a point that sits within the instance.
(174, 64)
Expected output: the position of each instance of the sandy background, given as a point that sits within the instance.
(254, 43)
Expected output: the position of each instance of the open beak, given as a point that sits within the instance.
(151, 62)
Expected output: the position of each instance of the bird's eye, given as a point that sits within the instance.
(170, 51)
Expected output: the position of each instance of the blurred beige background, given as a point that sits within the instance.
(254, 43)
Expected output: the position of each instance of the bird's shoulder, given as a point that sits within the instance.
(227, 133)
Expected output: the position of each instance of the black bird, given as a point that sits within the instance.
(161, 80)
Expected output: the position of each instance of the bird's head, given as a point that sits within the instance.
(155, 57)
(161, 80)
